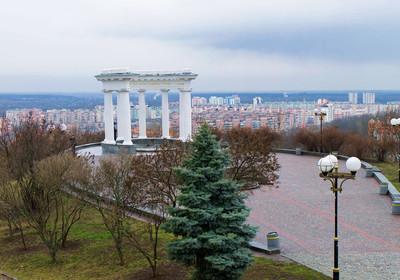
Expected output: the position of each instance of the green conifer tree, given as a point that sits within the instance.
(210, 219)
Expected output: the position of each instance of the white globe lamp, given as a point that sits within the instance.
(353, 164)
(325, 165)
(333, 159)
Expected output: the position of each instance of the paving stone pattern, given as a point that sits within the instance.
(301, 210)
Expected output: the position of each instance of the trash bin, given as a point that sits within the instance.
(383, 188)
(396, 207)
(299, 151)
(273, 241)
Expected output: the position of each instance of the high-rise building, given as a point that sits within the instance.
(236, 99)
(256, 101)
(196, 101)
(353, 97)
(214, 100)
(232, 100)
(368, 97)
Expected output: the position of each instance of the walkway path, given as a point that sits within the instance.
(301, 211)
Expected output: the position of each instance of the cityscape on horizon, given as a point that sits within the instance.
(222, 112)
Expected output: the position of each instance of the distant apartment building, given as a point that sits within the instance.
(232, 100)
(257, 101)
(368, 97)
(215, 100)
(198, 101)
(353, 97)
(18, 116)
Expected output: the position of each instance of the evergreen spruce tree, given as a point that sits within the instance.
(210, 219)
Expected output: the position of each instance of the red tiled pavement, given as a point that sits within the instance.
(301, 210)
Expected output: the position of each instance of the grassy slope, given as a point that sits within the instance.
(90, 255)
(390, 170)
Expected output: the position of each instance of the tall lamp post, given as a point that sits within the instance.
(396, 125)
(321, 115)
(329, 167)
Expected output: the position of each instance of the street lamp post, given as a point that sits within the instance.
(396, 125)
(320, 115)
(329, 167)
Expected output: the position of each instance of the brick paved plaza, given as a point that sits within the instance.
(301, 210)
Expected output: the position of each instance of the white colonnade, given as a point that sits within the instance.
(122, 82)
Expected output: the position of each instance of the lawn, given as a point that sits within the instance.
(90, 255)
(390, 170)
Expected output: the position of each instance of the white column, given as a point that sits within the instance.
(120, 136)
(188, 112)
(142, 114)
(125, 117)
(165, 113)
(185, 117)
(108, 118)
(181, 116)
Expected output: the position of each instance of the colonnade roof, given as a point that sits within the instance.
(122, 79)
(108, 74)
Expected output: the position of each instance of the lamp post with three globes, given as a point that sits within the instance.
(329, 167)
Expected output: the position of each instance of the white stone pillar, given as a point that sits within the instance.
(188, 112)
(185, 117)
(125, 117)
(165, 113)
(120, 117)
(142, 114)
(181, 116)
(108, 116)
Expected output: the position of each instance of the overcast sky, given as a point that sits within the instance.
(247, 45)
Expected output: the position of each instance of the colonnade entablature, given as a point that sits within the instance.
(122, 81)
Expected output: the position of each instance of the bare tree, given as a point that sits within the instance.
(144, 237)
(8, 206)
(112, 184)
(252, 159)
(157, 186)
(45, 205)
(155, 172)
(147, 182)
(30, 142)
(355, 145)
(308, 139)
(4, 180)
(9, 210)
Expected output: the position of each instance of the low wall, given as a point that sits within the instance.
(139, 145)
